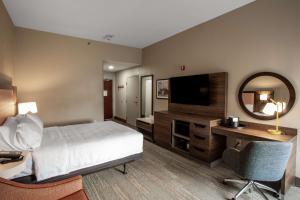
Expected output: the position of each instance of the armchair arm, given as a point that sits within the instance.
(49, 191)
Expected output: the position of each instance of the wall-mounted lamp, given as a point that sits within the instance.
(27, 107)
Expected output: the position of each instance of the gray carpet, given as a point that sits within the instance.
(162, 174)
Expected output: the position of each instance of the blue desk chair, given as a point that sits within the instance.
(258, 161)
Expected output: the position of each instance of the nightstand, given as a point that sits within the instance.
(145, 126)
(9, 170)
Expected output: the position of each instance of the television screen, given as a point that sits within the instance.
(193, 90)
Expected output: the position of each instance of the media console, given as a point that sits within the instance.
(186, 128)
(189, 135)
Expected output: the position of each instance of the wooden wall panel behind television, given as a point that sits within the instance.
(8, 102)
(218, 99)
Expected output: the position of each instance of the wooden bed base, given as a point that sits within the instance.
(123, 161)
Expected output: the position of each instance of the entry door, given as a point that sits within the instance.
(108, 99)
(132, 100)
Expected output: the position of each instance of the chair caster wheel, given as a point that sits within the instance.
(224, 182)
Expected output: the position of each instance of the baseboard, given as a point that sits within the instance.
(297, 182)
(120, 119)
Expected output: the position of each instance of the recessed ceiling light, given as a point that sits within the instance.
(111, 67)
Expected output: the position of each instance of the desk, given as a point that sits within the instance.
(258, 132)
(251, 134)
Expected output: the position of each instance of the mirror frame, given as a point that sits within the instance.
(275, 75)
(141, 90)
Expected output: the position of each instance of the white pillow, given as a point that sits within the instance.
(21, 133)
(36, 119)
(7, 132)
(31, 116)
(28, 134)
(10, 121)
(6, 135)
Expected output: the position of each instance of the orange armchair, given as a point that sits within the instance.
(68, 189)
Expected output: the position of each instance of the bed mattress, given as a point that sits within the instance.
(70, 148)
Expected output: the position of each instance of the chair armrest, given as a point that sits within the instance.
(47, 191)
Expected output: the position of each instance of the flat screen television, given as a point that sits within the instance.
(192, 90)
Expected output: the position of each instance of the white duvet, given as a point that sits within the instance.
(70, 148)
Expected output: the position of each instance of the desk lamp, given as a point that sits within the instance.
(272, 107)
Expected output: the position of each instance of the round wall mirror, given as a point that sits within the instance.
(264, 94)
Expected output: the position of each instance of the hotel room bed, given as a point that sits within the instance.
(67, 151)
(71, 148)
(82, 149)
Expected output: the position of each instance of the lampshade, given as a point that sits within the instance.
(263, 97)
(281, 106)
(270, 109)
(27, 107)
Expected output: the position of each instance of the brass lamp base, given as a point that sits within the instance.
(275, 132)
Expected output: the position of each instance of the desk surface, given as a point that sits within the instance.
(251, 134)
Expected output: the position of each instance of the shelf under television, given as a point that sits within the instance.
(181, 136)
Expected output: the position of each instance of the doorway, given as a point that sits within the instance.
(146, 96)
(132, 99)
(108, 99)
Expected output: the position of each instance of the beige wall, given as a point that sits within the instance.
(262, 36)
(7, 35)
(64, 74)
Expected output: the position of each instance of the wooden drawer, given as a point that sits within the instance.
(211, 142)
(204, 154)
(200, 129)
(143, 125)
(199, 153)
(202, 141)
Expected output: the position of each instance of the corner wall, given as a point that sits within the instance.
(262, 36)
(7, 36)
(64, 74)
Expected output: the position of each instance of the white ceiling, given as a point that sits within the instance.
(118, 66)
(265, 82)
(135, 23)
